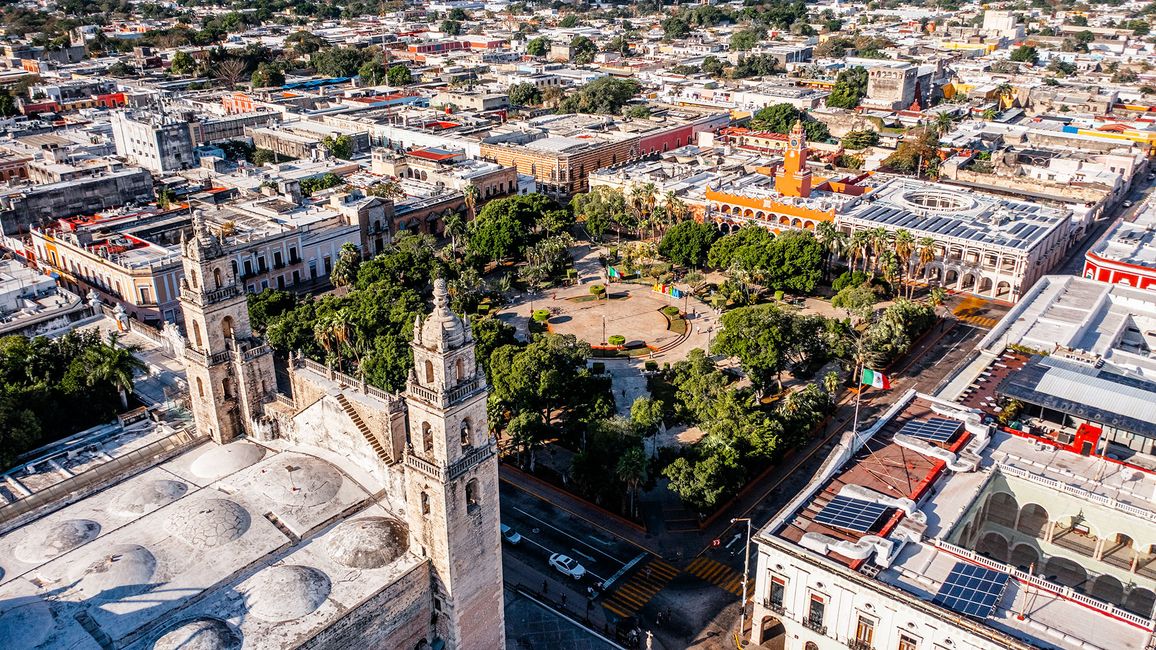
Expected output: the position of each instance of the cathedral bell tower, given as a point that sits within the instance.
(229, 371)
(794, 178)
(451, 480)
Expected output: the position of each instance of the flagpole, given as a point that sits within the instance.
(858, 398)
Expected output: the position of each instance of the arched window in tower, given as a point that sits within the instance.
(424, 503)
(473, 499)
(193, 278)
(200, 387)
(197, 333)
(460, 370)
(466, 432)
(227, 327)
(227, 387)
(429, 373)
(426, 437)
(217, 277)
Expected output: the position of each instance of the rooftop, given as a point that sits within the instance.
(1131, 242)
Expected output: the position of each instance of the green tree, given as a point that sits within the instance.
(114, 365)
(539, 46)
(267, 75)
(746, 39)
(524, 94)
(345, 268)
(781, 118)
(598, 209)
(850, 88)
(268, 305)
(568, 21)
(675, 27)
(705, 483)
(399, 75)
(340, 147)
(860, 139)
(582, 50)
(182, 64)
(372, 72)
(688, 243)
(1025, 54)
(450, 27)
(606, 95)
(317, 183)
(857, 300)
(338, 61)
(712, 66)
(303, 43)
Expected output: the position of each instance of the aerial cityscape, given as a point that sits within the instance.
(463, 325)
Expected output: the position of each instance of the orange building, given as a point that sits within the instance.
(793, 178)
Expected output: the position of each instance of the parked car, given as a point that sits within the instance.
(510, 535)
(1127, 204)
(567, 565)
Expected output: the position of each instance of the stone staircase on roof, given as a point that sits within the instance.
(369, 437)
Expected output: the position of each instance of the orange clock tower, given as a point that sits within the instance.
(793, 178)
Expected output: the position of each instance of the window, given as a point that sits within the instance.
(424, 503)
(277, 261)
(426, 437)
(460, 370)
(908, 643)
(815, 612)
(429, 372)
(145, 298)
(200, 387)
(472, 497)
(778, 592)
(197, 333)
(865, 631)
(217, 278)
(465, 433)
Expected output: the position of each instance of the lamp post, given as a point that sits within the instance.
(746, 572)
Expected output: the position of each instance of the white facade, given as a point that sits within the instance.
(158, 143)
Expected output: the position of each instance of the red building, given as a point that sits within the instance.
(1126, 254)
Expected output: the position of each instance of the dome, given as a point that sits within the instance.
(58, 540)
(442, 330)
(283, 593)
(121, 567)
(145, 496)
(368, 543)
(200, 634)
(300, 481)
(208, 523)
(25, 622)
(227, 459)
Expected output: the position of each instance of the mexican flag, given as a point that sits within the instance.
(612, 272)
(875, 379)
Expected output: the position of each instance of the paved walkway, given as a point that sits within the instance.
(534, 623)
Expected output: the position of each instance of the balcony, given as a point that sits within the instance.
(472, 459)
(859, 644)
(424, 466)
(815, 626)
(774, 607)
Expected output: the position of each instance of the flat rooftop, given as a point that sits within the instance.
(1131, 242)
(933, 484)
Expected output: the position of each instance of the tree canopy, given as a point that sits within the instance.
(606, 95)
(781, 118)
(850, 88)
(688, 243)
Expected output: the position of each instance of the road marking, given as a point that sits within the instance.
(545, 523)
(718, 574)
(634, 594)
(551, 552)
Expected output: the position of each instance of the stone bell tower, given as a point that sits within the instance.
(452, 480)
(229, 371)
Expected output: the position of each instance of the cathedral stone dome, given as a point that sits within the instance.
(283, 593)
(121, 567)
(368, 543)
(227, 459)
(442, 330)
(25, 622)
(201, 634)
(146, 496)
(58, 540)
(209, 523)
(301, 481)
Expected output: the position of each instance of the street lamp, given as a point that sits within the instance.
(746, 572)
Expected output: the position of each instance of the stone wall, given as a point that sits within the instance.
(397, 617)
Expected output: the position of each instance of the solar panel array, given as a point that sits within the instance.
(971, 590)
(935, 429)
(851, 514)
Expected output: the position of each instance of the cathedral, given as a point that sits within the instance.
(311, 512)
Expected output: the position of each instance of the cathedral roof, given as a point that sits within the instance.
(442, 330)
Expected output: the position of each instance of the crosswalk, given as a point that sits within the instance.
(718, 574)
(980, 321)
(633, 594)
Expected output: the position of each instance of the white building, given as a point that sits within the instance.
(160, 143)
(952, 534)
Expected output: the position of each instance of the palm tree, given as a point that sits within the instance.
(674, 208)
(857, 248)
(880, 240)
(990, 114)
(454, 226)
(472, 195)
(831, 383)
(1002, 91)
(926, 251)
(115, 365)
(631, 470)
(904, 248)
(832, 241)
(943, 122)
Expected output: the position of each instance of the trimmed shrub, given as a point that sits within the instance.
(616, 339)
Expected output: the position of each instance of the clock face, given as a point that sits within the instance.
(794, 143)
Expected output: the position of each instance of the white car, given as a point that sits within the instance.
(567, 565)
(1127, 204)
(510, 535)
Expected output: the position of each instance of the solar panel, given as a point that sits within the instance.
(971, 590)
(851, 514)
(935, 429)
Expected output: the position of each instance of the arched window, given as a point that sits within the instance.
(200, 387)
(426, 437)
(227, 327)
(473, 498)
(466, 432)
(197, 333)
(424, 503)
(217, 277)
(429, 373)
(460, 370)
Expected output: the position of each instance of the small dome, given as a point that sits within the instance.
(443, 329)
(208, 523)
(283, 593)
(300, 481)
(58, 540)
(121, 567)
(25, 622)
(145, 496)
(201, 634)
(368, 543)
(227, 459)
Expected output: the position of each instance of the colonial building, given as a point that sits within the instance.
(305, 514)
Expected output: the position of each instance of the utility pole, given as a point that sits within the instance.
(746, 573)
